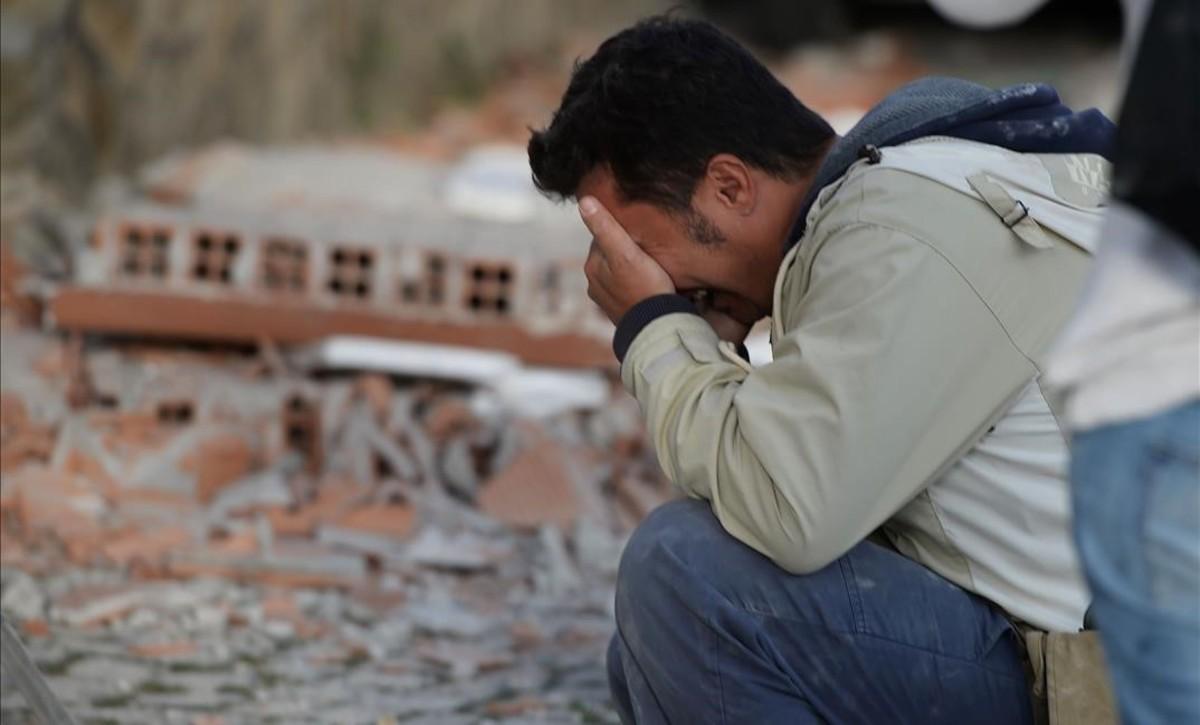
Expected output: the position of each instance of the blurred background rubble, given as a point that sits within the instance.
(305, 414)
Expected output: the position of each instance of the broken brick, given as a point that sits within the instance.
(36, 627)
(334, 497)
(281, 605)
(240, 543)
(18, 307)
(388, 520)
(31, 445)
(169, 649)
(218, 462)
(55, 501)
(21, 440)
(91, 470)
(147, 546)
(13, 414)
(175, 502)
(286, 522)
(525, 635)
(535, 489)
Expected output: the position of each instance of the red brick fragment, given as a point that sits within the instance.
(33, 444)
(21, 440)
(91, 470)
(13, 414)
(388, 519)
(218, 462)
(56, 501)
(535, 489)
(281, 605)
(525, 635)
(241, 543)
(146, 546)
(334, 497)
(17, 306)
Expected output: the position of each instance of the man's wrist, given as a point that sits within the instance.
(643, 313)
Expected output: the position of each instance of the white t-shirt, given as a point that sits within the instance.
(1133, 347)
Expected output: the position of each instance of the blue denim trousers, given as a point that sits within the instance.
(711, 631)
(1136, 491)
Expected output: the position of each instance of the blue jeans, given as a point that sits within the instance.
(1136, 488)
(711, 631)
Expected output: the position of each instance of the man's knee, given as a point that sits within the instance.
(681, 562)
(669, 544)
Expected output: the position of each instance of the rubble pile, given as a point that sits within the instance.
(204, 536)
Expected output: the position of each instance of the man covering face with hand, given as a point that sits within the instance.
(871, 512)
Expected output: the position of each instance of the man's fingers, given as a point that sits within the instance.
(608, 236)
(595, 261)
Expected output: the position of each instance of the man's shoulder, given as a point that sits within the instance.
(1029, 288)
(950, 191)
(893, 199)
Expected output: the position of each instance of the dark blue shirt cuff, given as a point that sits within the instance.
(645, 312)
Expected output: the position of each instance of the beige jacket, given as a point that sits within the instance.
(909, 321)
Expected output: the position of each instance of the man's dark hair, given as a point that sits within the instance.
(657, 101)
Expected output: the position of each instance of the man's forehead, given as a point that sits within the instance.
(600, 183)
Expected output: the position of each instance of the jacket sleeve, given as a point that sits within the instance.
(891, 368)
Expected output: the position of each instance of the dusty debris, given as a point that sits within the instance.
(217, 462)
(21, 440)
(190, 515)
(145, 545)
(462, 552)
(515, 707)
(18, 306)
(536, 488)
(447, 417)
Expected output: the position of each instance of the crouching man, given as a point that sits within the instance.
(870, 512)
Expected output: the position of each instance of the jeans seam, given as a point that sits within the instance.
(850, 582)
(712, 628)
(626, 648)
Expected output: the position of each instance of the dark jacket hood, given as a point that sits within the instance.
(1028, 118)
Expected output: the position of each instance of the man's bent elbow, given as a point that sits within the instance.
(801, 550)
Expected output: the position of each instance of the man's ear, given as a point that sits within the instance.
(731, 183)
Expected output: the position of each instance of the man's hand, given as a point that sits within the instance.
(619, 273)
(726, 327)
